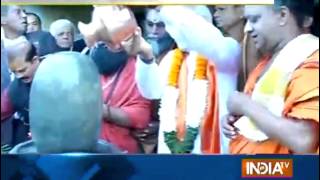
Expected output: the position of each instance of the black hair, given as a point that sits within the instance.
(300, 9)
(149, 7)
(35, 15)
(31, 53)
(315, 25)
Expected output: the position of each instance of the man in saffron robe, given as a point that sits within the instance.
(231, 19)
(279, 111)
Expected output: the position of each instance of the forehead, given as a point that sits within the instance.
(18, 63)
(12, 9)
(153, 15)
(31, 17)
(253, 10)
(65, 29)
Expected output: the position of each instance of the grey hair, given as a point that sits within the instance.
(57, 26)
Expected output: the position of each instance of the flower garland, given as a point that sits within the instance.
(196, 104)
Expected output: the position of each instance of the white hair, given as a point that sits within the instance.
(59, 25)
(202, 11)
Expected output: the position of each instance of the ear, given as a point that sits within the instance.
(284, 15)
(240, 10)
(307, 23)
(35, 60)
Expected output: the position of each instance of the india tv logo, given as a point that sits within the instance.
(267, 168)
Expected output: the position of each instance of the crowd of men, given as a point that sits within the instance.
(235, 79)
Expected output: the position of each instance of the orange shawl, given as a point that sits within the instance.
(301, 102)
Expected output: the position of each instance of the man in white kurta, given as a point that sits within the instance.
(193, 31)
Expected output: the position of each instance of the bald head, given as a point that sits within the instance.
(66, 104)
(23, 60)
(24, 51)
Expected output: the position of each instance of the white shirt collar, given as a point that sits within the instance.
(12, 42)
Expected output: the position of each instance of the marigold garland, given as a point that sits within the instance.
(175, 67)
(200, 74)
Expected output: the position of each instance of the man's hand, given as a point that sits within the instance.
(237, 102)
(148, 135)
(116, 116)
(109, 24)
(227, 126)
(137, 45)
(106, 111)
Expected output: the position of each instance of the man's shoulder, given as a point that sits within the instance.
(27, 147)
(307, 67)
(303, 88)
(44, 42)
(39, 35)
(168, 56)
(79, 45)
(313, 60)
(17, 85)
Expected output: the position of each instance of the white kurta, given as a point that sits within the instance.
(193, 33)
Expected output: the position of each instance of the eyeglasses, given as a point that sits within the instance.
(158, 24)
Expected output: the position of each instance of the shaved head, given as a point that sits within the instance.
(23, 60)
(24, 51)
(65, 113)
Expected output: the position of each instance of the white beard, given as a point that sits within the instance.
(160, 45)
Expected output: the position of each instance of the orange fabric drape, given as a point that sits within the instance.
(210, 134)
(301, 101)
(210, 131)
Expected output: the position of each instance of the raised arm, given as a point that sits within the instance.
(192, 32)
